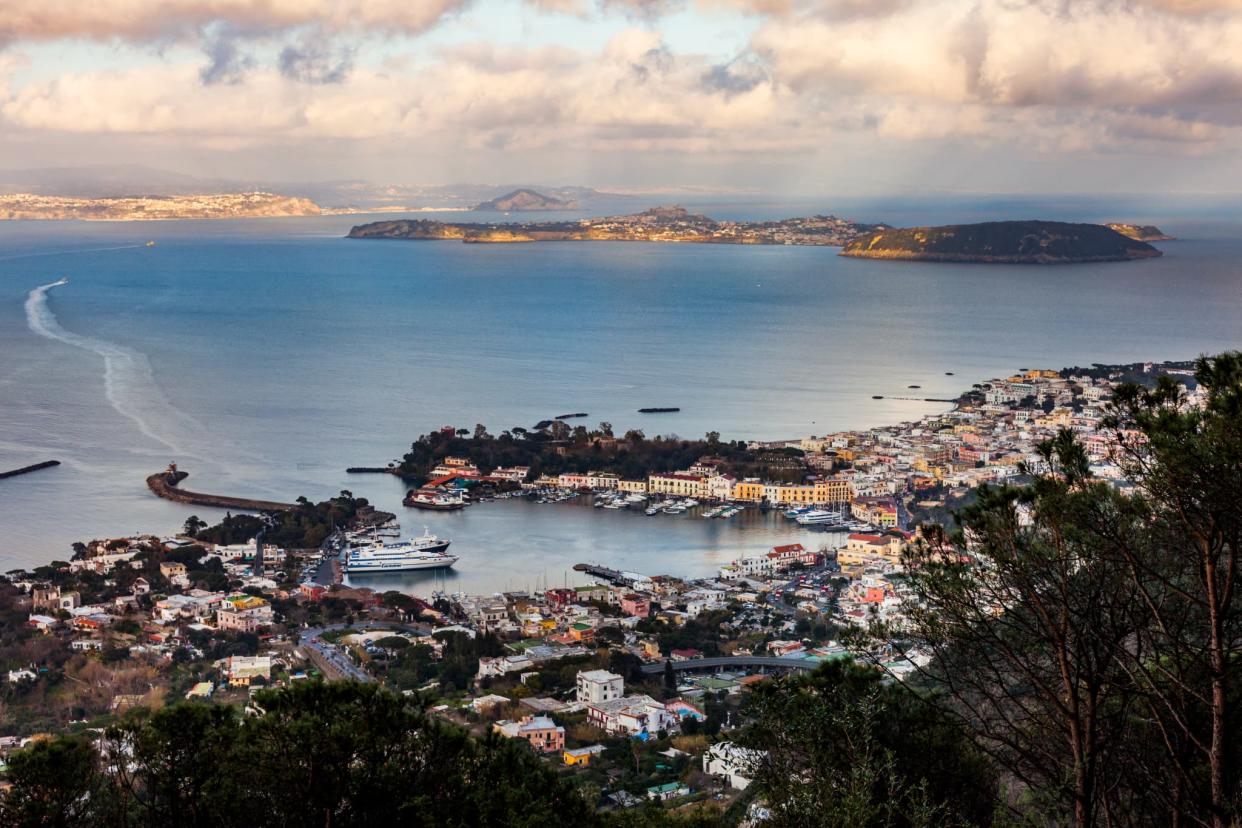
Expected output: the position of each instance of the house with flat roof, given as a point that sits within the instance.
(599, 686)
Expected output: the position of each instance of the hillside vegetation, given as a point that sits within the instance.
(1002, 242)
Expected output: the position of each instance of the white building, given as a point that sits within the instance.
(736, 765)
(596, 686)
(633, 716)
(745, 567)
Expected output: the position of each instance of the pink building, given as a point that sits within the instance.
(634, 604)
(544, 735)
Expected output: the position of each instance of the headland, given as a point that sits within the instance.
(1002, 242)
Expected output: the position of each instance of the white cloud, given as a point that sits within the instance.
(1097, 75)
(153, 20)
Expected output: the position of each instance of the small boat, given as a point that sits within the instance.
(150, 244)
(652, 510)
(914, 386)
(877, 396)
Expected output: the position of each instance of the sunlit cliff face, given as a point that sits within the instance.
(716, 92)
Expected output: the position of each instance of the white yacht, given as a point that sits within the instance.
(424, 552)
(816, 517)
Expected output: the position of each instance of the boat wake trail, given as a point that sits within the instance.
(70, 251)
(129, 381)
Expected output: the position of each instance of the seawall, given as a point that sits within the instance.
(165, 485)
(46, 464)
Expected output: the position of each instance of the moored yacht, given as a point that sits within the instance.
(424, 552)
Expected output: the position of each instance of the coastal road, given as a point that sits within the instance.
(334, 663)
(800, 665)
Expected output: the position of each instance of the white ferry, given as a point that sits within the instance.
(816, 517)
(424, 552)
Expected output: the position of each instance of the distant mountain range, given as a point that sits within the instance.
(525, 201)
(117, 181)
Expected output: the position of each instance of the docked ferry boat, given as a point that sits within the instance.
(435, 501)
(818, 517)
(424, 552)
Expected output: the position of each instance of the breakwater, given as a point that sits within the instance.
(165, 484)
(46, 464)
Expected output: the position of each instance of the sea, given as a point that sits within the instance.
(266, 356)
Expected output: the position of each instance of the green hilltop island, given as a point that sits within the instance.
(1004, 242)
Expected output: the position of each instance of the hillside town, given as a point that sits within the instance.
(29, 207)
(633, 684)
(669, 223)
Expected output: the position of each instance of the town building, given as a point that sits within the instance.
(543, 734)
(596, 686)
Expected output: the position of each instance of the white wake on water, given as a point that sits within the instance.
(129, 382)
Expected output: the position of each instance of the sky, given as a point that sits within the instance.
(858, 97)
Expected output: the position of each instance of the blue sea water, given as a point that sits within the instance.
(267, 356)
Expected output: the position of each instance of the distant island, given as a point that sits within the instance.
(1002, 242)
(26, 206)
(658, 224)
(524, 201)
(1141, 232)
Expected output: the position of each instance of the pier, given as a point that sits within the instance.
(46, 464)
(601, 572)
(165, 485)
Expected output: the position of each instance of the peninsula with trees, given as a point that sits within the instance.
(1003, 242)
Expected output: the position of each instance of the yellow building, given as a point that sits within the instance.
(789, 494)
(580, 756)
(861, 548)
(748, 491)
(680, 485)
(835, 491)
(638, 486)
(878, 511)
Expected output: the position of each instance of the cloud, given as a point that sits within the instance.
(643, 9)
(1050, 77)
(742, 74)
(227, 63)
(164, 20)
(1137, 70)
(314, 59)
(632, 94)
